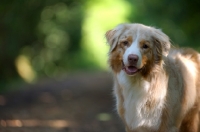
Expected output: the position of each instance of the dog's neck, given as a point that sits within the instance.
(143, 98)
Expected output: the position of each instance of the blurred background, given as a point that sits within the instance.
(50, 38)
(47, 46)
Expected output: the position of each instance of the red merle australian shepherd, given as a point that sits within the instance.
(156, 87)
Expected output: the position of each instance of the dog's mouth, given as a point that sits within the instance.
(130, 70)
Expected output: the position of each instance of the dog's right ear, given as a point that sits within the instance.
(112, 39)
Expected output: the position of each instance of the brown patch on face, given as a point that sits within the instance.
(115, 59)
(144, 60)
(147, 68)
(125, 42)
(151, 56)
(145, 45)
(147, 57)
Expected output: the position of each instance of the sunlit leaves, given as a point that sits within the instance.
(100, 17)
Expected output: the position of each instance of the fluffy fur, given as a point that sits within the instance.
(156, 87)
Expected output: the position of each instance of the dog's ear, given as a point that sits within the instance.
(111, 39)
(162, 40)
(112, 36)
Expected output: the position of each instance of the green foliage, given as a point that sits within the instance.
(46, 33)
(17, 30)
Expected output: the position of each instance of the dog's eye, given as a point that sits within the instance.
(125, 43)
(145, 46)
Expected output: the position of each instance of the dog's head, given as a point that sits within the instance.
(136, 48)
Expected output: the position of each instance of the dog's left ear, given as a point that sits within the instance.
(162, 40)
(113, 35)
(111, 39)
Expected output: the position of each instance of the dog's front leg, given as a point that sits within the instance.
(119, 100)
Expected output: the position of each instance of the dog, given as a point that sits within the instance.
(157, 88)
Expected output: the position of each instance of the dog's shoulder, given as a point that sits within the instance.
(183, 62)
(182, 65)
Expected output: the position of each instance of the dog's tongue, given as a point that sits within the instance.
(131, 70)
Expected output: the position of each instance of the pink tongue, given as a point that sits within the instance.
(132, 69)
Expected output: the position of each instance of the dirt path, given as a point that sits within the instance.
(79, 103)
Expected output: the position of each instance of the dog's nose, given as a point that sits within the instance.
(133, 59)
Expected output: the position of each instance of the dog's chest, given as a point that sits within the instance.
(137, 105)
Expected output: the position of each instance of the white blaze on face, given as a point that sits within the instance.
(133, 49)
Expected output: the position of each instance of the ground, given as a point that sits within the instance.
(76, 103)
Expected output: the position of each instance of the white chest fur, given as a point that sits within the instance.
(136, 96)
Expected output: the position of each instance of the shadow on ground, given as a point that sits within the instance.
(79, 103)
